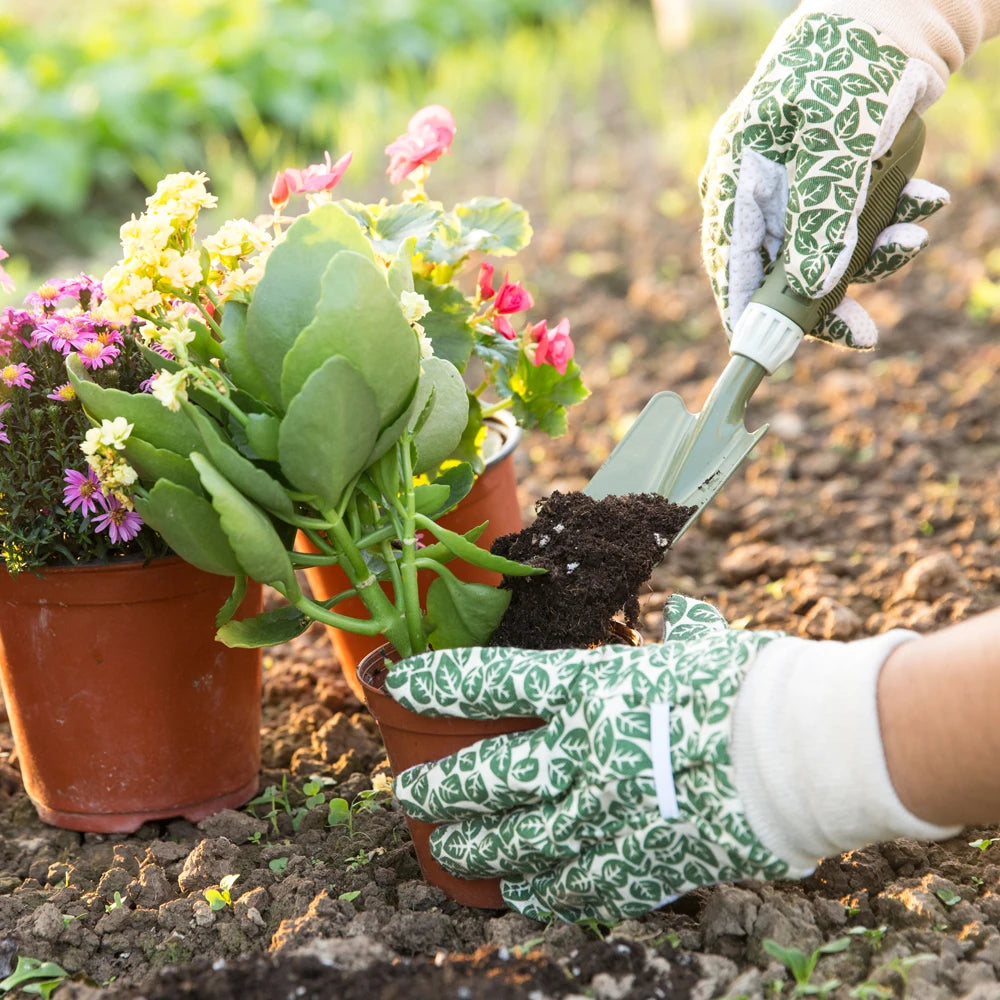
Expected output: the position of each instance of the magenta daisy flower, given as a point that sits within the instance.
(64, 394)
(121, 523)
(82, 492)
(95, 354)
(17, 375)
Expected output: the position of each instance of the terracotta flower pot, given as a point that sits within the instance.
(124, 708)
(412, 739)
(493, 498)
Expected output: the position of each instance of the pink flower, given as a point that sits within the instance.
(485, 282)
(64, 394)
(121, 523)
(96, 354)
(3, 433)
(6, 281)
(429, 134)
(503, 326)
(512, 298)
(17, 375)
(82, 492)
(316, 177)
(553, 346)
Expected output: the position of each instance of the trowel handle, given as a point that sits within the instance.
(890, 173)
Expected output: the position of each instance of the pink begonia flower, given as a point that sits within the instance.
(512, 298)
(6, 281)
(553, 346)
(428, 135)
(82, 492)
(485, 282)
(503, 326)
(121, 523)
(316, 177)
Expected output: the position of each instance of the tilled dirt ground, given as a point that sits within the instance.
(873, 502)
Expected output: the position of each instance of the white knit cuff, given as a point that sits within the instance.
(807, 751)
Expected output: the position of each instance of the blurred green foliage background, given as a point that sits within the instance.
(101, 99)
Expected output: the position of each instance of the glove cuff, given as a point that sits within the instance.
(807, 751)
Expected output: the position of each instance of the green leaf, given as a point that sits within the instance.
(447, 324)
(339, 812)
(233, 602)
(430, 498)
(328, 433)
(395, 224)
(190, 526)
(271, 628)
(258, 548)
(495, 226)
(29, 969)
(442, 406)
(349, 897)
(360, 319)
(153, 464)
(285, 299)
(238, 364)
(262, 435)
(472, 553)
(463, 614)
(250, 480)
(152, 421)
(400, 273)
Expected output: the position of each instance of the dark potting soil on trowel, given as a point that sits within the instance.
(598, 554)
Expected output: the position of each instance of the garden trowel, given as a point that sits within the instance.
(688, 457)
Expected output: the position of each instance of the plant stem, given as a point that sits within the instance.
(410, 593)
(504, 404)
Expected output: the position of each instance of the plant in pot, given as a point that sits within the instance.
(114, 709)
(518, 374)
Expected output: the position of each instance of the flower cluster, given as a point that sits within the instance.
(53, 511)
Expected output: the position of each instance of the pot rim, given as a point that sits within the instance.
(510, 436)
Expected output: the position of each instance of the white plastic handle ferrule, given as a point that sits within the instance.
(766, 336)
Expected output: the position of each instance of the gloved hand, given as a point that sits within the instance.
(789, 165)
(719, 754)
(625, 799)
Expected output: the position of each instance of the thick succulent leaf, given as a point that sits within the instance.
(472, 553)
(439, 427)
(250, 480)
(153, 464)
(190, 526)
(272, 628)
(359, 318)
(328, 433)
(153, 422)
(258, 548)
(463, 614)
(262, 435)
(240, 367)
(285, 299)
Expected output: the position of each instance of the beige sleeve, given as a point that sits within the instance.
(943, 33)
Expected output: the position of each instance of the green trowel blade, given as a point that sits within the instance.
(683, 456)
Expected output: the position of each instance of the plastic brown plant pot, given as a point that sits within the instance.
(412, 739)
(493, 498)
(123, 707)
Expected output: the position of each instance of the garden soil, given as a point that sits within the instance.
(872, 503)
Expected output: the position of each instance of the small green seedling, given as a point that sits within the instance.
(802, 966)
(116, 904)
(340, 812)
(977, 882)
(349, 897)
(359, 860)
(598, 928)
(948, 897)
(872, 991)
(33, 976)
(220, 898)
(902, 965)
(278, 864)
(984, 845)
(873, 935)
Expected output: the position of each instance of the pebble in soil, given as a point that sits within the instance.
(597, 553)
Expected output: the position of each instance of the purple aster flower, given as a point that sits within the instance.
(64, 394)
(121, 523)
(17, 375)
(95, 354)
(3, 431)
(82, 492)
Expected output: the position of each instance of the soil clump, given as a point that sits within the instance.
(598, 554)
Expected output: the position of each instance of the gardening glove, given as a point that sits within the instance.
(644, 781)
(789, 165)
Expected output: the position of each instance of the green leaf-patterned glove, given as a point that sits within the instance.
(624, 800)
(789, 165)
